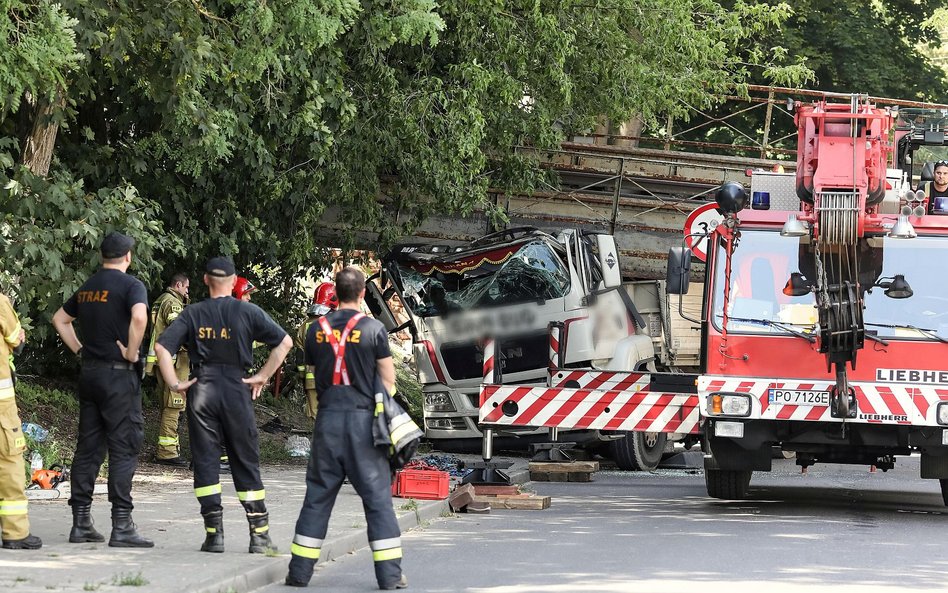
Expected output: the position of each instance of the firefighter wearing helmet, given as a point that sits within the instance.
(324, 301)
(243, 289)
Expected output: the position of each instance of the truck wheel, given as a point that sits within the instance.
(944, 490)
(639, 451)
(727, 484)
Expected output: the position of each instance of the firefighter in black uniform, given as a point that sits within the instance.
(342, 436)
(219, 334)
(112, 309)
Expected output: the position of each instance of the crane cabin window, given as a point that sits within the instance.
(924, 314)
(760, 268)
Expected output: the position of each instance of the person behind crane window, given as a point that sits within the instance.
(937, 191)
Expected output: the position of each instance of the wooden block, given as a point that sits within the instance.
(488, 490)
(549, 476)
(461, 497)
(564, 466)
(526, 502)
(580, 476)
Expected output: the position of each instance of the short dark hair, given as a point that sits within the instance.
(350, 282)
(940, 164)
(178, 278)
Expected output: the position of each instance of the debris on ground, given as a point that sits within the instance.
(298, 446)
(437, 462)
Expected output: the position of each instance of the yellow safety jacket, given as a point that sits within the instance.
(308, 376)
(9, 339)
(165, 309)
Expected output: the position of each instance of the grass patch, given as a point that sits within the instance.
(33, 395)
(91, 587)
(273, 449)
(272, 553)
(21, 580)
(411, 505)
(57, 411)
(129, 580)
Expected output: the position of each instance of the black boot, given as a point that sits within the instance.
(260, 533)
(125, 533)
(214, 536)
(30, 542)
(83, 530)
(300, 572)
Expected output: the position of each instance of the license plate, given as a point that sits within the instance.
(798, 397)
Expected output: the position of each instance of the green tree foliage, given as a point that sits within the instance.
(40, 49)
(850, 46)
(867, 47)
(231, 126)
(55, 226)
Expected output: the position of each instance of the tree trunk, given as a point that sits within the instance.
(39, 143)
(632, 127)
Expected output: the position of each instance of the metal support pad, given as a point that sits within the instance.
(487, 472)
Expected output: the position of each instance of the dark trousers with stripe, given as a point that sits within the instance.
(110, 421)
(220, 413)
(343, 446)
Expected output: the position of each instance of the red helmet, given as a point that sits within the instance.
(326, 295)
(242, 287)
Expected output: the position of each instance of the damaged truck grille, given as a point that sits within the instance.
(465, 360)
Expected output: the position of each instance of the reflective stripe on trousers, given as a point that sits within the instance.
(306, 547)
(251, 495)
(386, 549)
(203, 491)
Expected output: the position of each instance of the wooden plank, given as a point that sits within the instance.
(579, 476)
(488, 490)
(519, 502)
(564, 466)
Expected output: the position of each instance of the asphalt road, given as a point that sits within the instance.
(837, 527)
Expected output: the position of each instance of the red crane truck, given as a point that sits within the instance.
(824, 321)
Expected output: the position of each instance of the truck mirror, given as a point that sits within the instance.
(379, 308)
(678, 273)
(609, 261)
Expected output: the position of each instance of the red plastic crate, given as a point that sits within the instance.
(421, 484)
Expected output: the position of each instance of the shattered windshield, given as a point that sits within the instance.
(532, 273)
(917, 260)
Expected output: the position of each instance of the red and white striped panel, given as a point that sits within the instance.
(617, 409)
(489, 361)
(588, 379)
(876, 403)
(555, 331)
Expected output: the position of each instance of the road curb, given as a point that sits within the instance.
(333, 547)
